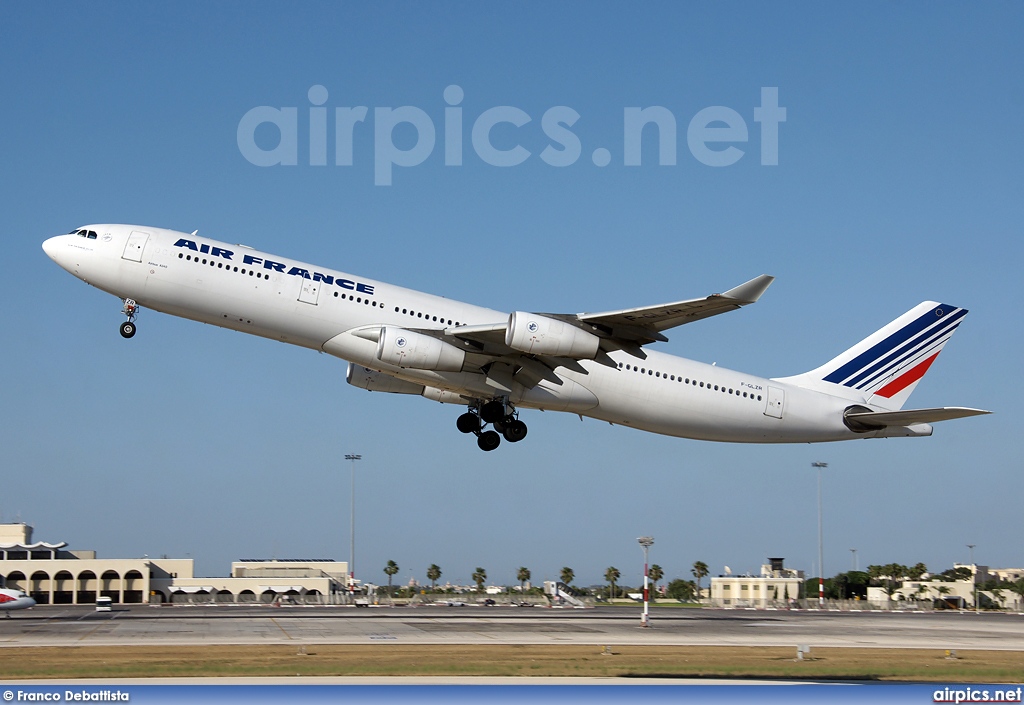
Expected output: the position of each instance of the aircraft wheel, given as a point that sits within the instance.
(488, 440)
(468, 423)
(500, 426)
(127, 329)
(515, 431)
(492, 411)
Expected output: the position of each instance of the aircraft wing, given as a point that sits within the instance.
(628, 329)
(882, 419)
(644, 325)
(637, 325)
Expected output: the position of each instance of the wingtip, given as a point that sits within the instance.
(751, 291)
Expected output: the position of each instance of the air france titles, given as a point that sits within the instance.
(273, 266)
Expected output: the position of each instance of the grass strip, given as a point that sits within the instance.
(108, 662)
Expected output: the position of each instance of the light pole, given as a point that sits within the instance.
(854, 552)
(821, 566)
(974, 576)
(646, 542)
(352, 527)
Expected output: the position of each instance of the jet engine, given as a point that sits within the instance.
(539, 335)
(404, 348)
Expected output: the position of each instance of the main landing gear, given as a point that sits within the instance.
(503, 418)
(130, 309)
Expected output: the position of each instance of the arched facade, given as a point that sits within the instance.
(56, 576)
(86, 587)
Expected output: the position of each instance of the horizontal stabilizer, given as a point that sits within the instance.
(882, 419)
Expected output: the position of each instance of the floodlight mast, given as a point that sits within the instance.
(821, 567)
(646, 542)
(352, 526)
(974, 577)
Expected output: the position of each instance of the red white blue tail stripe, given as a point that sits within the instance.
(895, 358)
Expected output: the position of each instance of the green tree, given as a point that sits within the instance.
(1017, 587)
(700, 570)
(655, 573)
(433, 575)
(391, 569)
(917, 571)
(957, 574)
(479, 577)
(612, 575)
(894, 573)
(522, 575)
(567, 575)
(681, 590)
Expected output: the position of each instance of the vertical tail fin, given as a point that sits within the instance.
(884, 368)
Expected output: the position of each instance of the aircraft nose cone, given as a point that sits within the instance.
(50, 247)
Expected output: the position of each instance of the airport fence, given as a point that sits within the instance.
(830, 605)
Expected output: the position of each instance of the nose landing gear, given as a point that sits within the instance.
(500, 415)
(130, 309)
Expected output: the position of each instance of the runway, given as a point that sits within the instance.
(228, 624)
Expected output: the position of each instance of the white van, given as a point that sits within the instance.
(103, 604)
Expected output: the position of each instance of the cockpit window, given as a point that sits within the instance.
(81, 232)
(92, 235)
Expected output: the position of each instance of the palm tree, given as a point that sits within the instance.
(391, 569)
(655, 573)
(612, 575)
(700, 570)
(433, 574)
(917, 572)
(567, 575)
(895, 572)
(479, 577)
(943, 591)
(522, 575)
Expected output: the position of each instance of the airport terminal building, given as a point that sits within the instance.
(776, 585)
(54, 575)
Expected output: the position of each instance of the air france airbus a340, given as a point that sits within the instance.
(15, 600)
(592, 364)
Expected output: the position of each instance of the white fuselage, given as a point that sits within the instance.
(15, 600)
(236, 287)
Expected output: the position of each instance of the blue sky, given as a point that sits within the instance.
(899, 180)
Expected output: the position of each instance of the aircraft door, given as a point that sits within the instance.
(310, 291)
(133, 248)
(776, 400)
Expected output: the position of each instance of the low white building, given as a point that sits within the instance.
(958, 593)
(775, 586)
(53, 575)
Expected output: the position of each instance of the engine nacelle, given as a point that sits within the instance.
(444, 396)
(539, 335)
(365, 378)
(404, 348)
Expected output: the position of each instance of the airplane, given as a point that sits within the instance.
(495, 363)
(15, 600)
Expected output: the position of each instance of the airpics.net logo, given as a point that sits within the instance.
(716, 136)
